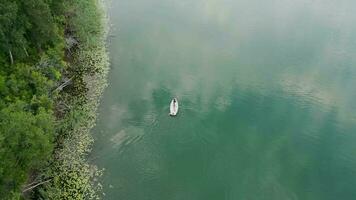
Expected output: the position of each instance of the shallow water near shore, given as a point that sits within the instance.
(266, 94)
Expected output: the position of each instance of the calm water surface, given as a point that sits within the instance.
(267, 93)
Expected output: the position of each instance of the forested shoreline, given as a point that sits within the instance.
(53, 67)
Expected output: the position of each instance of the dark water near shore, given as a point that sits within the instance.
(267, 93)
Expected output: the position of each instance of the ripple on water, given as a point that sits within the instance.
(126, 137)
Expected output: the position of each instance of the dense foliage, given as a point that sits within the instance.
(52, 71)
(31, 43)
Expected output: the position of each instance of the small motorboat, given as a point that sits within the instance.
(173, 107)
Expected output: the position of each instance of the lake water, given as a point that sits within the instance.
(267, 93)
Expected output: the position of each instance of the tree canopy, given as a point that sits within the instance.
(43, 44)
(31, 59)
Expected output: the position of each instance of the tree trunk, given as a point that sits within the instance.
(11, 58)
(25, 51)
(38, 184)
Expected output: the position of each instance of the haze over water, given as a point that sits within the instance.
(266, 90)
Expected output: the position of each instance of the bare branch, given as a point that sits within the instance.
(38, 184)
(63, 85)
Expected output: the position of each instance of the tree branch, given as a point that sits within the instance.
(63, 85)
(38, 184)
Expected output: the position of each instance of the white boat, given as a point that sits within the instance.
(173, 107)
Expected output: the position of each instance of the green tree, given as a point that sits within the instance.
(25, 142)
(13, 26)
(23, 82)
(43, 29)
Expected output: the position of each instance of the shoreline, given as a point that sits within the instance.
(72, 176)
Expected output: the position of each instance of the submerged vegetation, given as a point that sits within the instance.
(53, 66)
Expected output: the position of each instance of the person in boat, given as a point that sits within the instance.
(174, 102)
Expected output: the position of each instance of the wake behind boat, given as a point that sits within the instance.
(173, 107)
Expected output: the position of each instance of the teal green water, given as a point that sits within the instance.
(267, 93)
